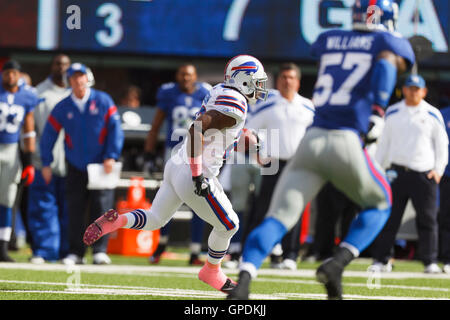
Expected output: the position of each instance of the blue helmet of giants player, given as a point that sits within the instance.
(375, 15)
(246, 74)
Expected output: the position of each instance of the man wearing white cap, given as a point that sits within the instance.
(414, 149)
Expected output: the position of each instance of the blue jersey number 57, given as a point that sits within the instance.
(359, 62)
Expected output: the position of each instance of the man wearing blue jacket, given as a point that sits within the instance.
(93, 134)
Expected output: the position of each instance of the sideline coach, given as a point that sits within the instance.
(414, 143)
(93, 134)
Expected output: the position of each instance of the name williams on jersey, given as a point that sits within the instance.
(357, 42)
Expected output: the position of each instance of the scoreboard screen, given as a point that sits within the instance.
(282, 29)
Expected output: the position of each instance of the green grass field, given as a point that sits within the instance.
(132, 278)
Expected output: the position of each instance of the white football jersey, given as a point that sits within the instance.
(218, 144)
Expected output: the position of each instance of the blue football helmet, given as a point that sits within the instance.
(375, 15)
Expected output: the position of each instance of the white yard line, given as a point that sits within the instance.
(183, 293)
(128, 290)
(129, 269)
(191, 272)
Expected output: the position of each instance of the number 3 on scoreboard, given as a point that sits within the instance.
(112, 14)
(361, 63)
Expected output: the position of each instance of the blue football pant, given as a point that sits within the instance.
(334, 156)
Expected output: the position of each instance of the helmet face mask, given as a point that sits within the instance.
(246, 74)
(375, 15)
(259, 89)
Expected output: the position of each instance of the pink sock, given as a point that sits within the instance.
(212, 275)
(120, 222)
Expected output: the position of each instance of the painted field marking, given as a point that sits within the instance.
(174, 292)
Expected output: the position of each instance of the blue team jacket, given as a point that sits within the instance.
(90, 137)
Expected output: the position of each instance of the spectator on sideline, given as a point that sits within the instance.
(414, 149)
(47, 211)
(444, 207)
(177, 102)
(288, 112)
(131, 97)
(93, 134)
(16, 103)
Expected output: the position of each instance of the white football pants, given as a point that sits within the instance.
(178, 188)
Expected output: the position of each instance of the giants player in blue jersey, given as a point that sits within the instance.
(357, 74)
(178, 102)
(16, 111)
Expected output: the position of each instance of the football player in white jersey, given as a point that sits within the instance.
(190, 176)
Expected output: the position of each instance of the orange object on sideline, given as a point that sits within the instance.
(304, 227)
(130, 242)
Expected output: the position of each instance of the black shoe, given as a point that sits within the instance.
(194, 260)
(330, 274)
(274, 259)
(242, 290)
(4, 257)
(228, 286)
(156, 257)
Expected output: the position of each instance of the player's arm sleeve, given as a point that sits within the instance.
(34, 102)
(402, 47)
(115, 135)
(383, 80)
(51, 131)
(440, 139)
(384, 73)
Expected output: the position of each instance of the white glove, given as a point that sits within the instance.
(376, 127)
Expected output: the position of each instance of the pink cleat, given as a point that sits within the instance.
(105, 224)
(214, 276)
